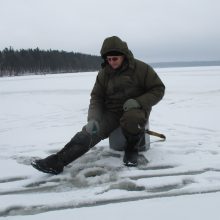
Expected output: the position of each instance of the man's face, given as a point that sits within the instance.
(115, 61)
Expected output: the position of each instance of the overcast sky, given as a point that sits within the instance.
(155, 30)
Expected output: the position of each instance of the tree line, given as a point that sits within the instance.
(36, 61)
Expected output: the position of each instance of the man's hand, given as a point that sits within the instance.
(131, 104)
(92, 127)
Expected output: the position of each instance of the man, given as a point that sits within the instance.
(123, 95)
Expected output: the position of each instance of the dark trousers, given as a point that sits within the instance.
(132, 123)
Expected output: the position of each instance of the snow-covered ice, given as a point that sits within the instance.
(39, 114)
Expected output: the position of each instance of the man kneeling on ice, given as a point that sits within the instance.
(123, 95)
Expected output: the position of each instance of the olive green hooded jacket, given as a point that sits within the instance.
(134, 80)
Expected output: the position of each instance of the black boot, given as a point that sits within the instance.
(130, 158)
(55, 163)
(50, 164)
(131, 150)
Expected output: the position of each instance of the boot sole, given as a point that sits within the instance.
(129, 164)
(50, 171)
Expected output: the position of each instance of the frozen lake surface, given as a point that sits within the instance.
(39, 114)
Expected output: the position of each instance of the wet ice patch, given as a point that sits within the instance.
(94, 177)
(127, 185)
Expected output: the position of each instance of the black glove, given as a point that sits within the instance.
(131, 104)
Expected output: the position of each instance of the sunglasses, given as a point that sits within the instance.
(109, 59)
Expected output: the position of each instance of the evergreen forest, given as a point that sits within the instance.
(36, 61)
